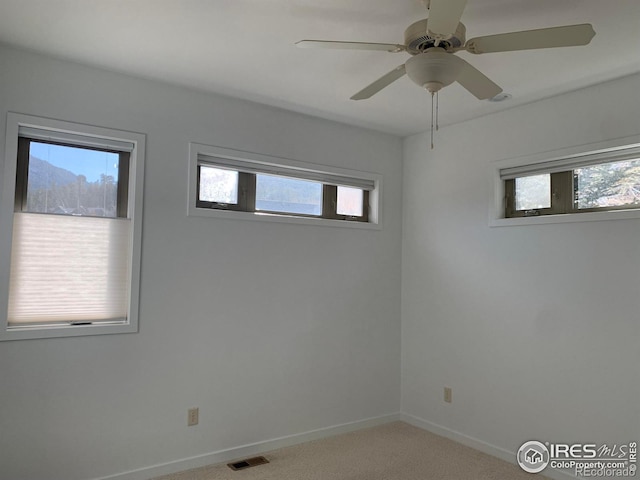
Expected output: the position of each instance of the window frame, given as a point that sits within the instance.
(563, 198)
(270, 165)
(560, 163)
(100, 138)
(22, 173)
(330, 205)
(244, 182)
(560, 195)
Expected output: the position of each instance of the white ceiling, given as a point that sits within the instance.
(245, 48)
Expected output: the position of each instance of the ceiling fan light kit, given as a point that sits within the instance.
(432, 43)
(434, 69)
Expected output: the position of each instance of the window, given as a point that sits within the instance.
(276, 194)
(598, 181)
(262, 187)
(349, 201)
(74, 229)
(218, 188)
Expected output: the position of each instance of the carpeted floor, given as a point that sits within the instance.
(395, 451)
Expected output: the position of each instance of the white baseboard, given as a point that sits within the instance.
(286, 441)
(249, 450)
(477, 444)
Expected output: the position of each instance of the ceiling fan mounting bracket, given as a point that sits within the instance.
(418, 39)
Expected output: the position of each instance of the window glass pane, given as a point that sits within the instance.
(533, 192)
(218, 185)
(608, 185)
(72, 181)
(350, 201)
(288, 195)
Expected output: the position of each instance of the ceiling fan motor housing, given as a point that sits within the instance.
(418, 40)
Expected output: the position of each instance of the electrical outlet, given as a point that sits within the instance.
(447, 394)
(192, 416)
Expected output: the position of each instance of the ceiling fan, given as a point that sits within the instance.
(433, 41)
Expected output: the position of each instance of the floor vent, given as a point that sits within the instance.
(247, 462)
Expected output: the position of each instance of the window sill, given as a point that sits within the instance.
(270, 217)
(57, 331)
(566, 218)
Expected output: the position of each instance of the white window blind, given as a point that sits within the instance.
(572, 162)
(67, 269)
(75, 139)
(285, 171)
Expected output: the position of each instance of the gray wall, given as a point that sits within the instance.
(536, 328)
(271, 329)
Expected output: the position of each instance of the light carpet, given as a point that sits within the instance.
(394, 451)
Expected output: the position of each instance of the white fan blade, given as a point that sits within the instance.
(383, 47)
(568, 36)
(379, 84)
(476, 82)
(444, 16)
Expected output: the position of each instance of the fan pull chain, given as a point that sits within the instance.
(432, 114)
(437, 108)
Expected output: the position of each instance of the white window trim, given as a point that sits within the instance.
(229, 156)
(497, 206)
(15, 121)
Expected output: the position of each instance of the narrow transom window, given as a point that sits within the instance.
(269, 189)
(598, 181)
